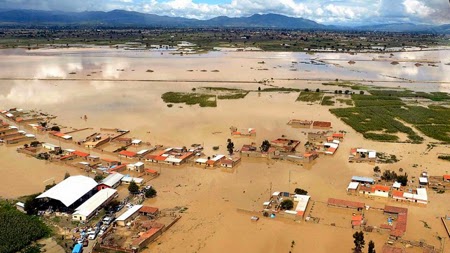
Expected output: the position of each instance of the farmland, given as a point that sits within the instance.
(309, 96)
(379, 116)
(204, 100)
(18, 229)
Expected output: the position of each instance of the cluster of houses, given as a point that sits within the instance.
(272, 207)
(366, 186)
(325, 142)
(359, 155)
(12, 135)
(282, 149)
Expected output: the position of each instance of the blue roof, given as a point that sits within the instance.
(363, 179)
(78, 248)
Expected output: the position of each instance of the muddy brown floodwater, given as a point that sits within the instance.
(114, 89)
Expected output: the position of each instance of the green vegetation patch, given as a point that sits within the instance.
(309, 96)
(233, 95)
(348, 102)
(444, 157)
(328, 101)
(18, 230)
(204, 100)
(347, 84)
(383, 111)
(280, 89)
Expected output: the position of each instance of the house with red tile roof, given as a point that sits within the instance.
(127, 154)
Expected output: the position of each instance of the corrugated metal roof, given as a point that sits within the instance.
(91, 205)
(70, 190)
(128, 213)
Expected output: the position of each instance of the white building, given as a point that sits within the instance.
(92, 205)
(70, 190)
(111, 181)
(127, 216)
(50, 146)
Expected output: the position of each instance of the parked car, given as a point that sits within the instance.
(108, 220)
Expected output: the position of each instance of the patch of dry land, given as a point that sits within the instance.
(114, 90)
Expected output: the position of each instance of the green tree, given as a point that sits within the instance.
(371, 248)
(358, 241)
(376, 169)
(133, 188)
(32, 204)
(98, 178)
(287, 204)
(55, 128)
(265, 146)
(300, 191)
(150, 193)
(403, 179)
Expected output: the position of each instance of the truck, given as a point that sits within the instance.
(78, 248)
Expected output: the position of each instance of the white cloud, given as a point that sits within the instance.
(416, 7)
(327, 11)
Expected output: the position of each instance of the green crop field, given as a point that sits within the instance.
(310, 96)
(379, 116)
(204, 100)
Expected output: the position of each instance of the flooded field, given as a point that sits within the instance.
(115, 90)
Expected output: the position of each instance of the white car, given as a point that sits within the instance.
(92, 236)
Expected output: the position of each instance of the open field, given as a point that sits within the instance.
(126, 100)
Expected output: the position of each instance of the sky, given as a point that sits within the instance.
(337, 12)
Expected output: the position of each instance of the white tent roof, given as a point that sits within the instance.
(92, 204)
(423, 180)
(172, 159)
(142, 151)
(302, 202)
(372, 154)
(128, 213)
(201, 160)
(421, 194)
(112, 179)
(70, 190)
(135, 141)
(396, 185)
(353, 186)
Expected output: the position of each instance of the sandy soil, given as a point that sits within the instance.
(212, 222)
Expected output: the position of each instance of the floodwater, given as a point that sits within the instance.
(129, 99)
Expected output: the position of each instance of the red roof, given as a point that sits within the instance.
(447, 177)
(382, 188)
(151, 171)
(364, 188)
(338, 135)
(156, 157)
(109, 160)
(398, 194)
(148, 209)
(127, 153)
(59, 134)
(322, 124)
(357, 218)
(356, 222)
(80, 154)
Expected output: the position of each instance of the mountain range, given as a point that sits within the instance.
(121, 18)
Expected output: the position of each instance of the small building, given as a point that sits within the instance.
(321, 124)
(302, 204)
(127, 154)
(396, 185)
(143, 152)
(51, 147)
(330, 148)
(109, 162)
(136, 142)
(201, 161)
(128, 216)
(215, 160)
(446, 178)
(139, 166)
(381, 191)
(93, 159)
(61, 135)
(352, 187)
(20, 206)
(93, 204)
(423, 181)
(230, 162)
(149, 211)
(363, 180)
(128, 180)
(111, 181)
(80, 154)
(285, 145)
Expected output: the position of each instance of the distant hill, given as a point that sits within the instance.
(121, 18)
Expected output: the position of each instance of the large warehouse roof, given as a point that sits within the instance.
(92, 204)
(70, 190)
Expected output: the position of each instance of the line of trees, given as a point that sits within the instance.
(358, 240)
